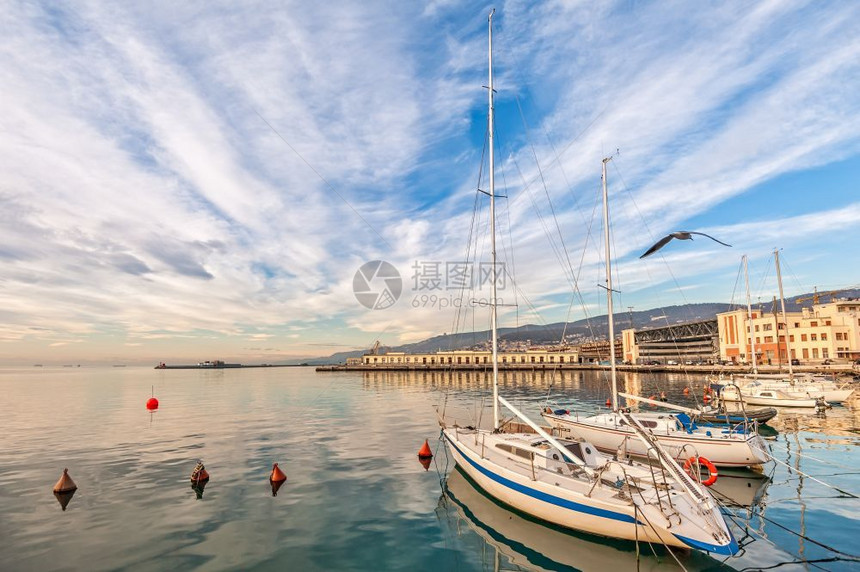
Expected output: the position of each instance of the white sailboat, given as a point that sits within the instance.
(569, 483)
(778, 389)
(678, 434)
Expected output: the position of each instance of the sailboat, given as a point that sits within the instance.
(611, 432)
(779, 390)
(569, 483)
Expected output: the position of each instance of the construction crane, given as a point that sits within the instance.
(816, 296)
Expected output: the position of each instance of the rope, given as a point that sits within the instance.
(798, 471)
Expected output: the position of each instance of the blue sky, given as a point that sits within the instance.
(202, 180)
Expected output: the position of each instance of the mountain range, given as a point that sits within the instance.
(589, 329)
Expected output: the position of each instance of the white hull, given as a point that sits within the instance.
(577, 505)
(729, 394)
(720, 450)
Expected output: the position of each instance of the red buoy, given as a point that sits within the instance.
(425, 462)
(686, 391)
(65, 484)
(425, 452)
(706, 397)
(608, 402)
(152, 404)
(277, 475)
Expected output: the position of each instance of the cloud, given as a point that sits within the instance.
(147, 197)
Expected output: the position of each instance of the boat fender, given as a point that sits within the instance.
(712, 470)
(708, 433)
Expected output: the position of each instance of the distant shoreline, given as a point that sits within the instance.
(227, 366)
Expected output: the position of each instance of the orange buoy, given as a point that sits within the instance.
(608, 402)
(65, 484)
(425, 452)
(686, 391)
(277, 475)
(199, 474)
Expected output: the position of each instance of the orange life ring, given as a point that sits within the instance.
(712, 470)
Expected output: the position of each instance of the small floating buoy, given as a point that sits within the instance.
(686, 391)
(65, 484)
(608, 402)
(199, 474)
(277, 475)
(425, 452)
(152, 404)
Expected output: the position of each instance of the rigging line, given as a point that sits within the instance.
(543, 223)
(461, 310)
(545, 189)
(796, 470)
(323, 179)
(668, 268)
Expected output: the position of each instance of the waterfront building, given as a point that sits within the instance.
(829, 331)
(691, 342)
(473, 358)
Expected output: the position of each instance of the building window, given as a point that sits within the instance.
(560, 359)
(796, 325)
(757, 340)
(813, 324)
(838, 336)
(823, 336)
(805, 353)
(504, 359)
(803, 338)
(791, 338)
(824, 353)
(813, 337)
(768, 327)
(533, 359)
(768, 339)
(827, 322)
(756, 328)
(523, 359)
(814, 353)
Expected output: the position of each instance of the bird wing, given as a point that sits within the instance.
(709, 236)
(658, 245)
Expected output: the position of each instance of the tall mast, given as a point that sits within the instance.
(750, 318)
(609, 287)
(784, 316)
(493, 317)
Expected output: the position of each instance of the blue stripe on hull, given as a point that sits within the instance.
(545, 497)
(725, 549)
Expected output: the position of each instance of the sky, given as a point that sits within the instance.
(203, 180)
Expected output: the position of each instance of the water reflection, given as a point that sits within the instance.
(64, 498)
(740, 488)
(515, 540)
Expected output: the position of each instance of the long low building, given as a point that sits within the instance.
(471, 358)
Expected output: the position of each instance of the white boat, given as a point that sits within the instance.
(801, 387)
(532, 545)
(756, 393)
(683, 439)
(570, 484)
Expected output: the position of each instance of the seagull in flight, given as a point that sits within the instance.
(680, 235)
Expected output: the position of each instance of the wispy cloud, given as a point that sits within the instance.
(146, 198)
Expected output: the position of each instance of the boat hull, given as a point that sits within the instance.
(722, 452)
(571, 510)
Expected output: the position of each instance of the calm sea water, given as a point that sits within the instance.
(356, 496)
